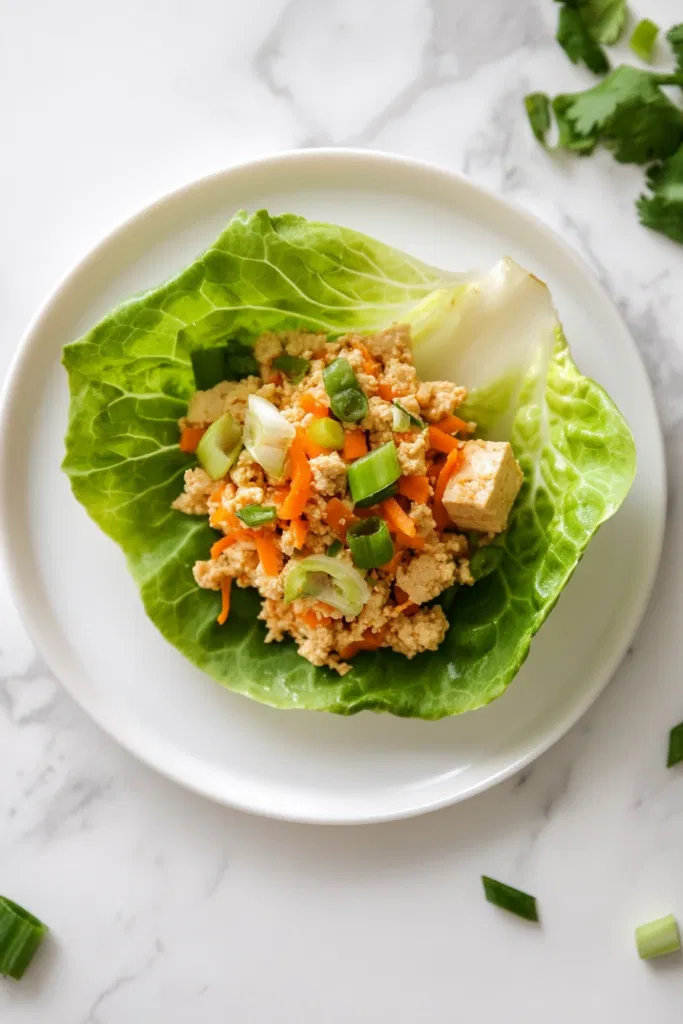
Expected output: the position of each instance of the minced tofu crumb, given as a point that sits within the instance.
(432, 556)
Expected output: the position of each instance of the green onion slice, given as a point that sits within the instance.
(20, 935)
(675, 755)
(326, 432)
(219, 446)
(400, 420)
(373, 473)
(514, 900)
(414, 421)
(267, 435)
(257, 515)
(374, 499)
(642, 42)
(350, 406)
(293, 367)
(657, 938)
(223, 362)
(329, 580)
(334, 549)
(339, 376)
(370, 543)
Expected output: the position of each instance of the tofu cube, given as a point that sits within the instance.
(481, 493)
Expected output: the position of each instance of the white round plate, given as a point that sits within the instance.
(83, 610)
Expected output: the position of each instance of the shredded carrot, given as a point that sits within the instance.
(355, 445)
(453, 425)
(222, 544)
(190, 438)
(397, 519)
(370, 365)
(416, 488)
(226, 586)
(311, 447)
(313, 620)
(386, 392)
(279, 494)
(268, 553)
(452, 463)
(404, 541)
(434, 464)
(338, 516)
(217, 494)
(299, 532)
(217, 517)
(392, 565)
(310, 404)
(370, 642)
(300, 489)
(441, 442)
(400, 595)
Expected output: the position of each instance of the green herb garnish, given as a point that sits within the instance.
(293, 367)
(257, 515)
(537, 106)
(514, 900)
(576, 41)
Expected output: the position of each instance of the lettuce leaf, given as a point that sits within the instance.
(130, 378)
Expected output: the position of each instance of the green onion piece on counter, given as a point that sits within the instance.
(334, 549)
(642, 42)
(374, 499)
(326, 432)
(339, 376)
(370, 543)
(350, 406)
(657, 938)
(675, 755)
(400, 420)
(208, 366)
(414, 421)
(20, 935)
(293, 367)
(370, 475)
(219, 447)
(537, 106)
(329, 580)
(257, 515)
(514, 900)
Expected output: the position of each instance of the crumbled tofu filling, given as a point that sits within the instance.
(399, 613)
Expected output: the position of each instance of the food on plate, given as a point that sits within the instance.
(390, 469)
(340, 441)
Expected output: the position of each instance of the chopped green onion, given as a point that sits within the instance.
(350, 406)
(675, 755)
(20, 935)
(240, 362)
(223, 362)
(326, 432)
(267, 435)
(413, 420)
(400, 420)
(294, 367)
(370, 543)
(219, 446)
(657, 938)
(374, 499)
(339, 376)
(257, 515)
(514, 900)
(642, 42)
(329, 580)
(372, 473)
(334, 549)
(537, 106)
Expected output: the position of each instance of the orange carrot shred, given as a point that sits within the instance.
(416, 488)
(311, 447)
(397, 519)
(226, 586)
(217, 494)
(370, 365)
(268, 553)
(392, 565)
(453, 425)
(300, 489)
(404, 541)
(370, 642)
(222, 544)
(313, 620)
(310, 404)
(190, 438)
(339, 517)
(299, 532)
(386, 392)
(355, 445)
(441, 442)
(452, 463)
(400, 595)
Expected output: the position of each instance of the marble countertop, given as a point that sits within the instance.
(163, 907)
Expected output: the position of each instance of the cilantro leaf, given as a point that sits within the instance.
(604, 20)
(537, 106)
(675, 39)
(627, 112)
(663, 210)
(574, 38)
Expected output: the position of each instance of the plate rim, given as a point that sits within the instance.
(124, 730)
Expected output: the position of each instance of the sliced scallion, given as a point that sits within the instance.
(240, 362)
(326, 432)
(643, 40)
(257, 515)
(675, 755)
(329, 580)
(339, 376)
(20, 935)
(350, 406)
(293, 367)
(414, 421)
(267, 435)
(508, 898)
(220, 446)
(373, 473)
(657, 938)
(400, 420)
(370, 543)
(334, 549)
(208, 366)
(374, 499)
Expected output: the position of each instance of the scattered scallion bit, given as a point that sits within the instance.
(293, 367)
(514, 900)
(675, 755)
(657, 938)
(257, 515)
(20, 935)
(334, 549)
(373, 473)
(643, 39)
(537, 106)
(414, 421)
(326, 432)
(370, 543)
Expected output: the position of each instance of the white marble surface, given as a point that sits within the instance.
(163, 907)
